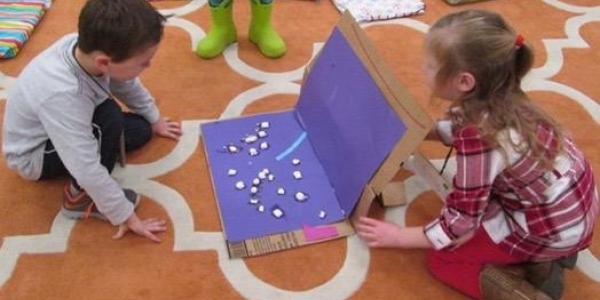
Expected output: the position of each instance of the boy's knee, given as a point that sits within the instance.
(108, 108)
(108, 116)
(145, 131)
(138, 131)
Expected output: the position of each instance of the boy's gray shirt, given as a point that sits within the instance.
(55, 99)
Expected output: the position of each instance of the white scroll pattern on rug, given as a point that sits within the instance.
(355, 267)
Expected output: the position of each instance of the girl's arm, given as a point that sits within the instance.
(379, 234)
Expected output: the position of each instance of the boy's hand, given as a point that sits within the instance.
(145, 228)
(167, 128)
(378, 234)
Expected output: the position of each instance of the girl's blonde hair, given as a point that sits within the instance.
(483, 44)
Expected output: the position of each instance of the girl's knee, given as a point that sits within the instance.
(437, 264)
(433, 261)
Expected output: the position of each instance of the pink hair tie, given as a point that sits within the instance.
(520, 41)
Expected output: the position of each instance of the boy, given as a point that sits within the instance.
(61, 116)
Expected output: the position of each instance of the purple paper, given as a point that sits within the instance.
(342, 130)
(241, 220)
(349, 122)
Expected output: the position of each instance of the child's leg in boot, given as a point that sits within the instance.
(262, 32)
(222, 33)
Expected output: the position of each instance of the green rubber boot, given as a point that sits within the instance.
(262, 32)
(222, 33)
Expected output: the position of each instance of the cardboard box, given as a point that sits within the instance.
(352, 127)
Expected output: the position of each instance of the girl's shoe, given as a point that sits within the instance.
(500, 283)
(548, 276)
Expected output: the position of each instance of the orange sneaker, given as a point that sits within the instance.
(82, 206)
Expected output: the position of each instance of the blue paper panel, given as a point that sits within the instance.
(240, 219)
(349, 122)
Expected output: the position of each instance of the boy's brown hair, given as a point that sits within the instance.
(119, 28)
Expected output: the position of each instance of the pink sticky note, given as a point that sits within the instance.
(319, 233)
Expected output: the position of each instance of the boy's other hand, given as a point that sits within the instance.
(167, 128)
(145, 228)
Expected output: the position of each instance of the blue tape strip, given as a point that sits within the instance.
(293, 147)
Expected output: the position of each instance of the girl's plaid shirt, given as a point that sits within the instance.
(527, 210)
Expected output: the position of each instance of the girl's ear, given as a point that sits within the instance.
(465, 82)
(101, 61)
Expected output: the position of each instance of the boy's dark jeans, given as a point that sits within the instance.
(108, 122)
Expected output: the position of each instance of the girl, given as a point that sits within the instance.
(523, 192)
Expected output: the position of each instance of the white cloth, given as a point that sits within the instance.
(373, 10)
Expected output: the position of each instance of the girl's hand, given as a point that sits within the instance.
(145, 228)
(167, 128)
(379, 234)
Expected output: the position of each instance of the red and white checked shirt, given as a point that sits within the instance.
(528, 211)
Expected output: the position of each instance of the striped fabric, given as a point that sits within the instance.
(18, 19)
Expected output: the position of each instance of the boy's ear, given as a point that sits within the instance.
(101, 61)
(466, 82)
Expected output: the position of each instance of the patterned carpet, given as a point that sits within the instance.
(45, 256)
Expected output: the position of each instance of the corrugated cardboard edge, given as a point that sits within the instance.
(417, 121)
(283, 241)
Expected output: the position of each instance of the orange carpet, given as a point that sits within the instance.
(43, 256)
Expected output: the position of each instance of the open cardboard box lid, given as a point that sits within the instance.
(352, 127)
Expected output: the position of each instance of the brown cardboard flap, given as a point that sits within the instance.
(364, 204)
(417, 124)
(417, 121)
(398, 97)
(393, 194)
(422, 167)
